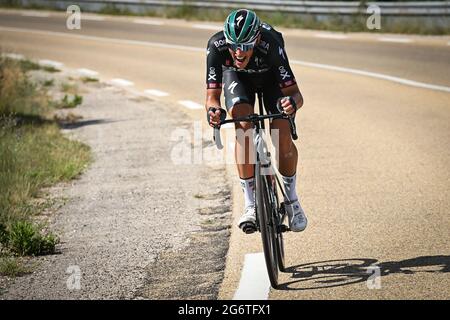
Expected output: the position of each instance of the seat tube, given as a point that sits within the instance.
(263, 155)
(257, 142)
(261, 106)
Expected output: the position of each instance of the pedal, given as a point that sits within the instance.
(283, 228)
(248, 227)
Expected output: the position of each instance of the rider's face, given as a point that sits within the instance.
(241, 58)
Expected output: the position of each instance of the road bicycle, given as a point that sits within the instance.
(270, 212)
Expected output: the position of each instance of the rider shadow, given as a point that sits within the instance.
(336, 273)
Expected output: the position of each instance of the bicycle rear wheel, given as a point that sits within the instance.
(266, 226)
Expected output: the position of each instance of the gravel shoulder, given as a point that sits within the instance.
(133, 214)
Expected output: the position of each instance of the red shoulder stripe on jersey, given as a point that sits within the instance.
(213, 85)
(287, 83)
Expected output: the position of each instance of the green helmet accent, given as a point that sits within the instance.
(241, 26)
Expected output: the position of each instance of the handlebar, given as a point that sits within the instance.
(254, 118)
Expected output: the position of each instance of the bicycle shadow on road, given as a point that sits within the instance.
(83, 123)
(336, 273)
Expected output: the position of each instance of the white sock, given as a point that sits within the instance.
(248, 186)
(289, 187)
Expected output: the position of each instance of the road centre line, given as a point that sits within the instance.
(195, 49)
(51, 63)
(92, 17)
(87, 72)
(36, 14)
(373, 75)
(191, 104)
(14, 56)
(207, 27)
(121, 82)
(156, 93)
(97, 17)
(104, 39)
(398, 40)
(331, 36)
(254, 283)
(148, 21)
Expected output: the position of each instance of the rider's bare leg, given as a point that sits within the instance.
(285, 148)
(243, 149)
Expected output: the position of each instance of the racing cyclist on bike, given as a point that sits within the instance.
(245, 56)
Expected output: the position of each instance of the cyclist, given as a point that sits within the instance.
(245, 56)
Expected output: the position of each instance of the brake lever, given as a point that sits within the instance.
(293, 128)
(292, 125)
(216, 137)
(216, 130)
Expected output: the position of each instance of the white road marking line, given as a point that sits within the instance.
(36, 14)
(331, 36)
(373, 75)
(254, 283)
(104, 39)
(87, 72)
(92, 17)
(156, 93)
(50, 63)
(148, 21)
(179, 47)
(121, 82)
(207, 27)
(14, 56)
(398, 40)
(190, 104)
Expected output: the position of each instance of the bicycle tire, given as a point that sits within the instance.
(264, 212)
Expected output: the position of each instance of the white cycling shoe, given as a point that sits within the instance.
(247, 222)
(296, 216)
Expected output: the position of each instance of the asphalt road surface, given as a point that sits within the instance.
(373, 174)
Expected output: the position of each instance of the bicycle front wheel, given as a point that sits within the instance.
(266, 226)
(277, 214)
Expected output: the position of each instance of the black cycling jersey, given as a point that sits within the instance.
(268, 55)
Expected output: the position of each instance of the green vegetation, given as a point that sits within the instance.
(27, 65)
(66, 103)
(48, 83)
(24, 239)
(50, 69)
(346, 23)
(69, 88)
(11, 267)
(89, 79)
(34, 154)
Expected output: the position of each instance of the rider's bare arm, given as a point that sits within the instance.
(294, 92)
(213, 98)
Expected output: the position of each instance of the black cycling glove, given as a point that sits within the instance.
(223, 113)
(291, 100)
